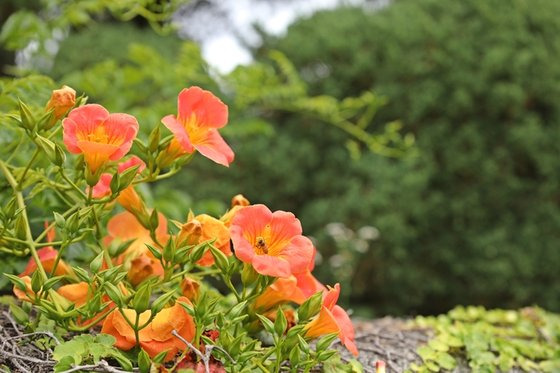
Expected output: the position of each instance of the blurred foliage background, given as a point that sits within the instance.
(469, 214)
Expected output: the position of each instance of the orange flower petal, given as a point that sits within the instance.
(76, 293)
(215, 148)
(209, 110)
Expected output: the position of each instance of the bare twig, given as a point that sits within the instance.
(102, 366)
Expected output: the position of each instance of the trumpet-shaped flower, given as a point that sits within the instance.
(156, 336)
(101, 137)
(204, 228)
(271, 242)
(200, 115)
(333, 319)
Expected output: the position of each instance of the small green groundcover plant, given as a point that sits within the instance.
(491, 341)
(119, 285)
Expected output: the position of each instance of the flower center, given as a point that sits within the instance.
(260, 246)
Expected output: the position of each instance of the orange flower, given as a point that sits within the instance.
(137, 257)
(271, 242)
(237, 203)
(47, 256)
(78, 293)
(200, 115)
(61, 101)
(101, 137)
(204, 228)
(333, 319)
(156, 337)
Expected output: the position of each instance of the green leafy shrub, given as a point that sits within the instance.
(475, 218)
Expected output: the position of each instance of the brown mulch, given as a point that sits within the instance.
(16, 353)
(386, 339)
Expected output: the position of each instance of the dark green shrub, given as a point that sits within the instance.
(476, 218)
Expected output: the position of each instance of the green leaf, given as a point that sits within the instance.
(144, 362)
(446, 361)
(280, 324)
(267, 324)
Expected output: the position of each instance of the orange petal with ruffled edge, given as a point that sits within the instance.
(121, 342)
(213, 146)
(208, 109)
(346, 333)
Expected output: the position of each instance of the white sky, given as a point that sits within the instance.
(221, 46)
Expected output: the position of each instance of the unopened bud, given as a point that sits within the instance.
(190, 288)
(190, 233)
(61, 101)
(239, 200)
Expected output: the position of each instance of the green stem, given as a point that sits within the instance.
(51, 225)
(74, 328)
(230, 286)
(21, 204)
(263, 368)
(74, 186)
(136, 329)
(58, 256)
(33, 157)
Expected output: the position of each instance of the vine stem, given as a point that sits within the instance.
(21, 204)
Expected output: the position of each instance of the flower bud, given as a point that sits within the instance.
(190, 233)
(190, 288)
(61, 101)
(239, 200)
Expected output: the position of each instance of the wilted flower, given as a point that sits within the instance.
(200, 115)
(271, 242)
(101, 137)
